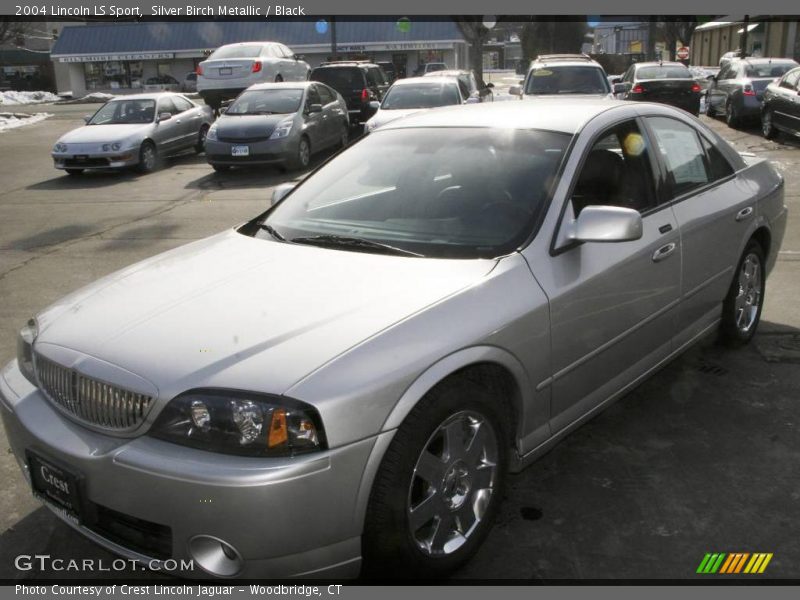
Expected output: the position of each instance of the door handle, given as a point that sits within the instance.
(744, 213)
(665, 228)
(664, 252)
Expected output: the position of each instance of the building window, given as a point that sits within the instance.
(113, 74)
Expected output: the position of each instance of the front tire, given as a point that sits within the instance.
(74, 172)
(439, 486)
(767, 126)
(200, 146)
(302, 156)
(148, 157)
(741, 310)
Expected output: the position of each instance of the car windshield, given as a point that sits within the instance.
(567, 80)
(235, 52)
(768, 69)
(420, 95)
(437, 192)
(663, 72)
(119, 112)
(340, 78)
(266, 102)
(433, 67)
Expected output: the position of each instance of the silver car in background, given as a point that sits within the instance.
(233, 68)
(134, 131)
(407, 96)
(348, 377)
(278, 123)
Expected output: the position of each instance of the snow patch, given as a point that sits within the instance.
(14, 120)
(93, 98)
(10, 98)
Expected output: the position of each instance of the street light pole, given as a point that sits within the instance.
(334, 52)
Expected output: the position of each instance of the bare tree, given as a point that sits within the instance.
(678, 32)
(548, 37)
(14, 33)
(476, 34)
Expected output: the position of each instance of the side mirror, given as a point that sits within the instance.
(223, 110)
(374, 105)
(616, 80)
(314, 108)
(164, 116)
(490, 85)
(607, 224)
(515, 90)
(87, 118)
(280, 192)
(472, 100)
(712, 77)
(522, 82)
(620, 88)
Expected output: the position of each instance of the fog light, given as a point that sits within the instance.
(215, 556)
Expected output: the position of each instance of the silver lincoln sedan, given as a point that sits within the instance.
(345, 380)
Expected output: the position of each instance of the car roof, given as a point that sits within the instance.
(561, 62)
(767, 61)
(282, 85)
(428, 79)
(664, 63)
(150, 96)
(346, 63)
(448, 73)
(564, 115)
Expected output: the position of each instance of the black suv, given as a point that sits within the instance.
(359, 83)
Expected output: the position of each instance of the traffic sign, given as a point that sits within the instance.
(683, 53)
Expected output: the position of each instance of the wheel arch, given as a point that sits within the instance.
(764, 237)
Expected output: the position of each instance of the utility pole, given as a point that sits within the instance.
(334, 52)
(743, 39)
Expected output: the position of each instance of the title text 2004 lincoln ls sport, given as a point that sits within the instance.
(348, 377)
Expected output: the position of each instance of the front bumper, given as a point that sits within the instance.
(261, 152)
(283, 517)
(109, 160)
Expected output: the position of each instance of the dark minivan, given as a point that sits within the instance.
(663, 82)
(359, 83)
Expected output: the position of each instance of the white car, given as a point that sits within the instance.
(233, 68)
(407, 96)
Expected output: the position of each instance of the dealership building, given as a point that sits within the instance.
(121, 57)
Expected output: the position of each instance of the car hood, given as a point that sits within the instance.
(248, 126)
(103, 133)
(566, 96)
(382, 117)
(238, 312)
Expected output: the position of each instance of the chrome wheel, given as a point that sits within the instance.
(304, 153)
(452, 483)
(748, 299)
(148, 157)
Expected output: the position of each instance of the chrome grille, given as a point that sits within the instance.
(89, 400)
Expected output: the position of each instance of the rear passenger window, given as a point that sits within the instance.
(681, 153)
(718, 165)
(325, 94)
(182, 104)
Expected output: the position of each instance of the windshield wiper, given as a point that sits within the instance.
(271, 230)
(351, 242)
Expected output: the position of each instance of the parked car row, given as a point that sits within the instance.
(430, 310)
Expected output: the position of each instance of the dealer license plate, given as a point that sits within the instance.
(225, 70)
(55, 485)
(240, 150)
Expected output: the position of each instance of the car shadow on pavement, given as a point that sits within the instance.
(51, 237)
(87, 180)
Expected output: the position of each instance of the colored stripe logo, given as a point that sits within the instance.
(734, 563)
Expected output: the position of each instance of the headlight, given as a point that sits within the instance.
(211, 134)
(283, 129)
(242, 423)
(59, 147)
(25, 340)
(112, 147)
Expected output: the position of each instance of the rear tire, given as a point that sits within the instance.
(221, 168)
(278, 78)
(344, 136)
(710, 113)
(731, 115)
(439, 486)
(201, 139)
(74, 172)
(741, 310)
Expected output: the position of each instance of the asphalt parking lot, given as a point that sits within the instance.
(703, 457)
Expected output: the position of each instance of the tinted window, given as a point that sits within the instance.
(717, 163)
(616, 172)
(377, 73)
(442, 192)
(313, 96)
(791, 79)
(420, 95)
(261, 102)
(125, 111)
(182, 104)
(680, 151)
(342, 79)
(567, 80)
(663, 72)
(235, 52)
(326, 94)
(768, 69)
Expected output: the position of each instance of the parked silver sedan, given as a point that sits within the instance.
(278, 123)
(348, 378)
(407, 96)
(136, 130)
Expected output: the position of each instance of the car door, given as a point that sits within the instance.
(169, 132)
(713, 213)
(334, 117)
(190, 121)
(613, 306)
(316, 123)
(786, 104)
(716, 94)
(290, 65)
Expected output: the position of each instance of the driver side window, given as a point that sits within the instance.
(616, 172)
